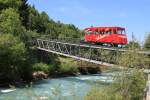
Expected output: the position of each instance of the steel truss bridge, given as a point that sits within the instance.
(86, 52)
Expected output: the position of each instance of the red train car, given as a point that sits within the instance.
(105, 35)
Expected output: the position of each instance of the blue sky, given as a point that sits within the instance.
(134, 15)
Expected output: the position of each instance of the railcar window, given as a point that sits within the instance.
(96, 32)
(114, 32)
(119, 32)
(100, 32)
(109, 32)
(123, 32)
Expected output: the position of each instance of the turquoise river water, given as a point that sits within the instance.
(66, 88)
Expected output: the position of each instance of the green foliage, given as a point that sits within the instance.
(41, 67)
(10, 23)
(21, 22)
(147, 42)
(10, 3)
(12, 55)
(68, 67)
(24, 13)
(125, 87)
(133, 44)
(103, 94)
(131, 85)
(38, 22)
(96, 94)
(132, 59)
(41, 23)
(128, 84)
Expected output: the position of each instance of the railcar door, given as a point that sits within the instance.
(88, 35)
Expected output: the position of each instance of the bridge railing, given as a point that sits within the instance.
(72, 47)
(64, 40)
(77, 51)
(81, 42)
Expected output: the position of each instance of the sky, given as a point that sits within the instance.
(134, 15)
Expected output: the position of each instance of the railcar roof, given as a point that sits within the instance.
(104, 28)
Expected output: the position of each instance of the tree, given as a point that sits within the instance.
(42, 23)
(132, 59)
(147, 42)
(34, 18)
(10, 3)
(133, 44)
(10, 22)
(24, 13)
(19, 22)
(12, 56)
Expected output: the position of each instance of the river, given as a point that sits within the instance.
(66, 88)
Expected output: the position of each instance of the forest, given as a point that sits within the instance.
(19, 22)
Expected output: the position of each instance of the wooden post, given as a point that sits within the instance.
(147, 89)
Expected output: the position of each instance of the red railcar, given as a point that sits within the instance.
(106, 35)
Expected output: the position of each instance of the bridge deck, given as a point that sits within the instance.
(78, 58)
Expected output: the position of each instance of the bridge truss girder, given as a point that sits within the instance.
(79, 51)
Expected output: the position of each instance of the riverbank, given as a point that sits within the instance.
(68, 68)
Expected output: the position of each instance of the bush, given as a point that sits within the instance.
(68, 67)
(13, 56)
(147, 42)
(133, 44)
(129, 84)
(41, 67)
(126, 87)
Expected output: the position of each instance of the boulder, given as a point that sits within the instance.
(39, 75)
